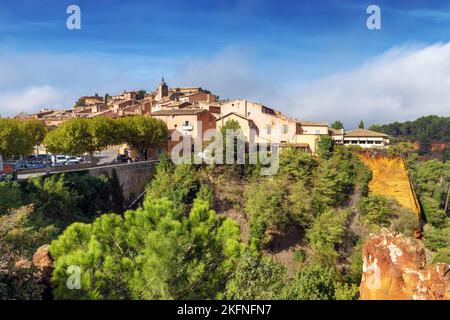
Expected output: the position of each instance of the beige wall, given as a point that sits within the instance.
(311, 139)
(277, 134)
(193, 129)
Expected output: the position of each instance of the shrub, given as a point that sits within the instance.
(256, 278)
(377, 210)
(312, 283)
(328, 229)
(264, 205)
(299, 255)
(11, 196)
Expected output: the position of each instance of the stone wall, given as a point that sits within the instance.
(133, 177)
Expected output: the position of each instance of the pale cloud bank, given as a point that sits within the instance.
(402, 84)
(29, 99)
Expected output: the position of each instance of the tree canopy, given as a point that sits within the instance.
(155, 252)
(17, 138)
(428, 127)
(337, 125)
(80, 135)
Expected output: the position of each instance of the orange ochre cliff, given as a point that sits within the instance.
(395, 268)
(390, 178)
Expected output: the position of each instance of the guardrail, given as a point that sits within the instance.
(78, 167)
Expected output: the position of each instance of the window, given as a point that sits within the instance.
(175, 125)
(186, 123)
(268, 130)
(285, 128)
(267, 110)
(377, 142)
(318, 131)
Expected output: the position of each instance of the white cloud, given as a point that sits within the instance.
(402, 84)
(30, 81)
(231, 74)
(29, 100)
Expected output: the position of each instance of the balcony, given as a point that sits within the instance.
(187, 127)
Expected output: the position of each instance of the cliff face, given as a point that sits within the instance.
(395, 269)
(390, 179)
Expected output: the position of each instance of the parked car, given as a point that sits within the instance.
(59, 160)
(20, 164)
(123, 158)
(73, 160)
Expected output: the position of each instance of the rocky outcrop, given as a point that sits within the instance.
(394, 268)
(44, 262)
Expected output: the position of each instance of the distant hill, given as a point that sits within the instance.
(432, 128)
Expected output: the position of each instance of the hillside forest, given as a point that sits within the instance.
(214, 232)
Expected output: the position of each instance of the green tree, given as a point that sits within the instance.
(431, 180)
(401, 149)
(338, 125)
(179, 184)
(233, 127)
(141, 94)
(103, 131)
(438, 241)
(331, 185)
(377, 210)
(15, 139)
(73, 136)
(264, 205)
(361, 125)
(312, 283)
(299, 203)
(325, 147)
(297, 164)
(11, 196)
(446, 155)
(37, 129)
(329, 229)
(256, 278)
(428, 127)
(155, 252)
(142, 132)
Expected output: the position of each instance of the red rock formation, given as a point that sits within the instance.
(44, 262)
(395, 269)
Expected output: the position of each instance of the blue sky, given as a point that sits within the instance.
(274, 52)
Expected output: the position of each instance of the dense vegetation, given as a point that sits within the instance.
(424, 128)
(34, 212)
(216, 231)
(80, 135)
(432, 183)
(18, 137)
(178, 234)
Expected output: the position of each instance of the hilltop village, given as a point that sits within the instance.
(330, 222)
(193, 110)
